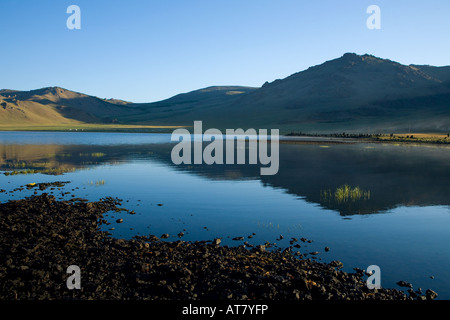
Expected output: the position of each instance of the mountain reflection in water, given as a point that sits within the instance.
(389, 175)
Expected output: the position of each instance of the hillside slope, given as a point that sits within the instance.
(353, 93)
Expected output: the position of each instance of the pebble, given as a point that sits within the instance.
(147, 268)
(431, 295)
(404, 284)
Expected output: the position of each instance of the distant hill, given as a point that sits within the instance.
(353, 93)
(183, 109)
(57, 106)
(54, 105)
(357, 93)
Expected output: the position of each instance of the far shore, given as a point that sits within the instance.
(292, 137)
(408, 138)
(92, 128)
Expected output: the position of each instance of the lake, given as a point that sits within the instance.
(370, 203)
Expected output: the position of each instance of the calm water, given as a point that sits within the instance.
(401, 223)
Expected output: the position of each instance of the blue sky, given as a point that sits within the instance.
(145, 51)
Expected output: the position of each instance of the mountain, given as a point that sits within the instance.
(353, 93)
(185, 108)
(59, 106)
(54, 105)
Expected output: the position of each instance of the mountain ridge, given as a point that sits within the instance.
(353, 93)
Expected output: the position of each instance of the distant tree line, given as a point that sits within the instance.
(376, 137)
(336, 135)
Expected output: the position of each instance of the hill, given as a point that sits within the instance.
(185, 108)
(55, 106)
(353, 93)
(356, 93)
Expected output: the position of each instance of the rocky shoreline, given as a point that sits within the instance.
(41, 237)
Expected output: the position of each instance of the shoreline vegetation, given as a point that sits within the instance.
(41, 237)
(411, 138)
(344, 194)
(430, 138)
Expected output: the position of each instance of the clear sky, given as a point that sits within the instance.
(144, 51)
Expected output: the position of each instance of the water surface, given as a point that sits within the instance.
(402, 224)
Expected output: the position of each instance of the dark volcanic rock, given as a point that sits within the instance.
(404, 284)
(431, 295)
(41, 237)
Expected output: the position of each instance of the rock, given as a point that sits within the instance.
(238, 238)
(181, 234)
(412, 294)
(360, 272)
(119, 220)
(261, 247)
(327, 249)
(336, 264)
(164, 236)
(34, 263)
(404, 284)
(431, 295)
